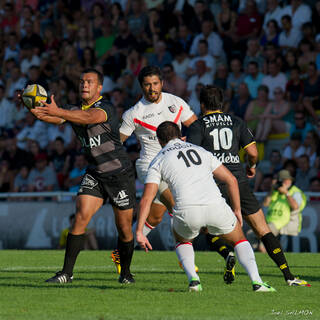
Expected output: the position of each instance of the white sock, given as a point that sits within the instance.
(185, 253)
(247, 259)
(147, 228)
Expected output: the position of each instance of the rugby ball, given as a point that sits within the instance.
(33, 94)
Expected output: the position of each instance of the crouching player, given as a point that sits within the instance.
(188, 171)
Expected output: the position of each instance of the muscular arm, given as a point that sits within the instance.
(188, 122)
(90, 116)
(49, 119)
(252, 153)
(123, 137)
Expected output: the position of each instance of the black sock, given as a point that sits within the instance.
(273, 247)
(74, 245)
(217, 244)
(126, 252)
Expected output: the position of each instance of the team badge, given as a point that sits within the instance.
(172, 109)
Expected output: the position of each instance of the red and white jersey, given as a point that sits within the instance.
(187, 169)
(144, 118)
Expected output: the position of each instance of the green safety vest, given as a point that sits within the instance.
(279, 209)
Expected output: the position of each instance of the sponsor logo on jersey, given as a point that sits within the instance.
(153, 138)
(148, 116)
(88, 182)
(217, 119)
(177, 146)
(93, 142)
(227, 158)
(172, 109)
(122, 199)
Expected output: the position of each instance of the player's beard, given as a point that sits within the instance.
(153, 96)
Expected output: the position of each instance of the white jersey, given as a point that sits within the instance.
(187, 169)
(144, 118)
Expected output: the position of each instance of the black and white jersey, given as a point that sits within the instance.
(101, 141)
(223, 135)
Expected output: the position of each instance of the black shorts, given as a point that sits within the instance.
(119, 188)
(248, 201)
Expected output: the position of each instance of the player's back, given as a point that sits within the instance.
(223, 135)
(188, 169)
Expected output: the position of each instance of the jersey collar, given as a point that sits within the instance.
(213, 111)
(86, 107)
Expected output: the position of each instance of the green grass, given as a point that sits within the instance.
(160, 291)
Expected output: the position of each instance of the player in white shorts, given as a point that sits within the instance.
(143, 119)
(188, 170)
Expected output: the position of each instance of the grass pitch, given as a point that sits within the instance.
(160, 291)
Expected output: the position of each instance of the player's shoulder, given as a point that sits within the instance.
(169, 97)
(136, 109)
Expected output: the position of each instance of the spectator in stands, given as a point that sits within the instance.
(14, 155)
(60, 160)
(248, 25)
(88, 57)
(161, 56)
(6, 110)
(312, 145)
(34, 149)
(116, 15)
(72, 183)
(299, 13)
(135, 60)
(215, 44)
(275, 79)
(203, 54)
(290, 37)
(272, 119)
(33, 130)
(15, 82)
(307, 55)
(256, 108)
(270, 166)
(34, 76)
(274, 12)
(271, 33)
(63, 130)
(172, 83)
(253, 79)
(287, 198)
(294, 87)
(312, 86)
(194, 101)
(12, 49)
(301, 125)
(295, 149)
(10, 19)
(239, 104)
(314, 187)
(201, 13)
(226, 23)
(30, 59)
(137, 17)
(265, 184)
(42, 177)
(130, 87)
(185, 38)
(304, 172)
(253, 54)
(202, 76)
(21, 180)
(235, 78)
(6, 176)
(221, 76)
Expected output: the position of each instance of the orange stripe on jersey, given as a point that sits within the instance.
(144, 124)
(178, 115)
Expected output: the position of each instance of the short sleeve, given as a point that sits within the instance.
(154, 172)
(214, 161)
(127, 125)
(246, 136)
(186, 113)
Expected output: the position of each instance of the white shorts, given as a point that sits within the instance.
(142, 171)
(219, 219)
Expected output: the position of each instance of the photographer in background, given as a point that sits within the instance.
(285, 204)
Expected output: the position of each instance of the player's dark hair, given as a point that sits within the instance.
(98, 73)
(167, 131)
(149, 71)
(211, 97)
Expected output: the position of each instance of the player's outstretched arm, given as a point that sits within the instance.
(50, 119)
(90, 116)
(149, 193)
(224, 175)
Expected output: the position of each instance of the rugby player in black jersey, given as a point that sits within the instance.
(224, 135)
(110, 174)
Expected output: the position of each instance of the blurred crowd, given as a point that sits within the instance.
(265, 54)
